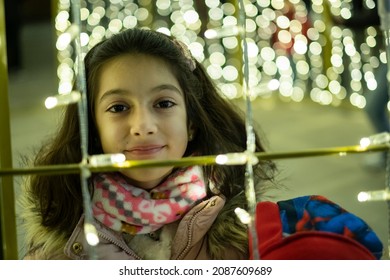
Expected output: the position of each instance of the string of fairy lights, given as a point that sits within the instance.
(294, 49)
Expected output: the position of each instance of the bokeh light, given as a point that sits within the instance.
(294, 52)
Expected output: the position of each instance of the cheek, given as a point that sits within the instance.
(179, 134)
(110, 136)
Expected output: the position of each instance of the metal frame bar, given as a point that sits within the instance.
(7, 197)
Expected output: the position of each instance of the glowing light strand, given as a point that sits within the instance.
(384, 14)
(379, 195)
(232, 159)
(90, 230)
(251, 140)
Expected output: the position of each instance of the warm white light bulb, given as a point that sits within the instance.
(67, 37)
(243, 215)
(62, 99)
(227, 31)
(382, 195)
(231, 159)
(91, 234)
(106, 159)
(376, 139)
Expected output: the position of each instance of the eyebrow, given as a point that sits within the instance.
(158, 88)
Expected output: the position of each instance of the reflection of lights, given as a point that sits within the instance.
(84, 39)
(273, 84)
(229, 73)
(141, 14)
(163, 4)
(302, 67)
(283, 63)
(284, 36)
(228, 9)
(325, 97)
(298, 94)
(130, 22)
(267, 53)
(191, 17)
(356, 85)
(371, 41)
(285, 88)
(336, 60)
(300, 46)
(229, 21)
(372, 84)
(356, 74)
(230, 42)
(93, 19)
(66, 38)
(217, 58)
(215, 14)
(357, 100)
(253, 50)
(64, 87)
(230, 91)
(316, 54)
(65, 73)
(334, 87)
(350, 49)
(115, 25)
(214, 71)
(277, 4)
(315, 48)
(345, 13)
(62, 21)
(212, 3)
(283, 22)
(313, 34)
(270, 68)
(320, 26)
(197, 50)
(296, 26)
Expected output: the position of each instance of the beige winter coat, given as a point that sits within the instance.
(210, 230)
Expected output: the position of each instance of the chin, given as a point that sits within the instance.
(147, 178)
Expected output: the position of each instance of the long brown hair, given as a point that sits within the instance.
(220, 128)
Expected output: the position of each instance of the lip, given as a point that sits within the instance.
(144, 151)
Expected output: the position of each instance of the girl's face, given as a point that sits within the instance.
(140, 112)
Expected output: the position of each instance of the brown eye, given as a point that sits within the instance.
(117, 108)
(165, 104)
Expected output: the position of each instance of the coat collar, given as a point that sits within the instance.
(190, 232)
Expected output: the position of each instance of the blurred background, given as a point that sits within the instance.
(315, 69)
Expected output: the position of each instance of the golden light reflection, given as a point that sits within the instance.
(293, 51)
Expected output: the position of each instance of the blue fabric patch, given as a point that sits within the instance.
(316, 213)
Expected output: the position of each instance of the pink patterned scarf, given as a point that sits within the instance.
(123, 207)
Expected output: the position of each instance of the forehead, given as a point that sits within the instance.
(129, 60)
(135, 64)
(135, 72)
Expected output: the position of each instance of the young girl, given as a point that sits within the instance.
(148, 99)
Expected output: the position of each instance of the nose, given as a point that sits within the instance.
(142, 122)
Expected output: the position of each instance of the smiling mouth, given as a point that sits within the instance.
(144, 152)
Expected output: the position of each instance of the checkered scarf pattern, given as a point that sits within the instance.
(123, 207)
